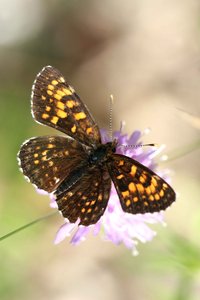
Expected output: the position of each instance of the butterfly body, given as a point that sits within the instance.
(78, 168)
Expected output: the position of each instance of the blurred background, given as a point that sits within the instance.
(147, 54)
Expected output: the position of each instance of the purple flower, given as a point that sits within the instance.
(116, 225)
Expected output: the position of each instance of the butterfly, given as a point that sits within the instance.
(78, 168)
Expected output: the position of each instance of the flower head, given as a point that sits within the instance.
(115, 225)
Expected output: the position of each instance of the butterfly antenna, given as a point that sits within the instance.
(110, 117)
(140, 145)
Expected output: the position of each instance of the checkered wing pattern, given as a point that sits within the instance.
(87, 199)
(139, 189)
(55, 103)
(47, 161)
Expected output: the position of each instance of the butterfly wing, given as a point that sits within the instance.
(139, 189)
(46, 161)
(87, 199)
(55, 103)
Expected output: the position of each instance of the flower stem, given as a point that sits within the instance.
(26, 226)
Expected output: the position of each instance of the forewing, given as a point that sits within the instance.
(87, 199)
(46, 161)
(139, 189)
(55, 103)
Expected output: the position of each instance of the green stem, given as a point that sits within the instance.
(26, 226)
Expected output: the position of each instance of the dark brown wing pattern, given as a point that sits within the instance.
(55, 103)
(139, 189)
(46, 161)
(87, 199)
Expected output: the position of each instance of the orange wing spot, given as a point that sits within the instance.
(161, 193)
(50, 93)
(80, 116)
(92, 202)
(61, 79)
(67, 92)
(36, 162)
(146, 203)
(157, 197)
(143, 178)
(37, 148)
(128, 202)
(55, 169)
(46, 175)
(135, 199)
(89, 210)
(132, 187)
(151, 198)
(152, 188)
(140, 188)
(73, 129)
(120, 176)
(89, 130)
(35, 155)
(83, 210)
(48, 108)
(50, 163)
(44, 158)
(54, 82)
(61, 93)
(50, 87)
(45, 116)
(50, 100)
(44, 152)
(54, 120)
(154, 181)
(125, 194)
(121, 163)
(148, 190)
(60, 105)
(43, 98)
(61, 114)
(58, 97)
(165, 186)
(133, 170)
(66, 152)
(49, 146)
(87, 203)
(70, 103)
(100, 197)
